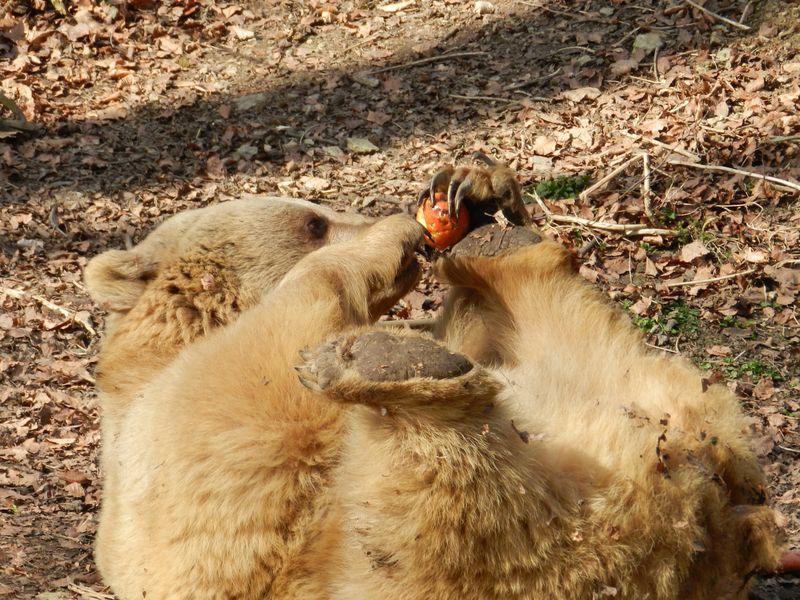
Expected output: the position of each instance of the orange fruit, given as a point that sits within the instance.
(443, 230)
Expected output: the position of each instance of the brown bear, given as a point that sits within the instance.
(171, 500)
(571, 464)
(535, 451)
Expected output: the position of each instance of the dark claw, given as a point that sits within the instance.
(439, 180)
(452, 193)
(463, 191)
(423, 195)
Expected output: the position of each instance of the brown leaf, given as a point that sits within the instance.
(544, 145)
(756, 85)
(74, 477)
(693, 250)
(74, 489)
(755, 256)
(618, 265)
(581, 94)
(719, 350)
(623, 67)
(764, 389)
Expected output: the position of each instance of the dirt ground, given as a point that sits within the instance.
(144, 108)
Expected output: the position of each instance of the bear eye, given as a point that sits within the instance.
(317, 227)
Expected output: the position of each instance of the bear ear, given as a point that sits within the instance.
(117, 278)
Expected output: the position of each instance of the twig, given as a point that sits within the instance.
(588, 247)
(627, 229)
(781, 182)
(424, 61)
(546, 9)
(584, 195)
(484, 98)
(427, 324)
(626, 36)
(714, 15)
(670, 350)
(711, 280)
(86, 592)
(524, 84)
(788, 449)
(783, 138)
(746, 11)
(646, 186)
(661, 144)
(20, 294)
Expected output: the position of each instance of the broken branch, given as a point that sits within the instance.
(64, 312)
(624, 228)
(424, 324)
(775, 180)
(710, 280)
(584, 195)
(714, 15)
(424, 61)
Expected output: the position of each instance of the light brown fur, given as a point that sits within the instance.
(225, 478)
(189, 280)
(452, 503)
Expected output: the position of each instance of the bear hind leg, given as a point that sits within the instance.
(395, 373)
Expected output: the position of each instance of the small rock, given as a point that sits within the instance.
(484, 8)
(648, 41)
(361, 146)
(333, 151)
(251, 101)
(365, 80)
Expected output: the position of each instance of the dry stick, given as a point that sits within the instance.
(718, 17)
(711, 280)
(408, 323)
(661, 144)
(746, 11)
(424, 61)
(19, 294)
(627, 229)
(530, 82)
(86, 592)
(485, 98)
(646, 186)
(584, 195)
(781, 182)
(670, 350)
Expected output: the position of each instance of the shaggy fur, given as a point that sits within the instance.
(226, 478)
(192, 276)
(573, 465)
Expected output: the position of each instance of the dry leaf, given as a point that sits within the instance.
(544, 145)
(693, 250)
(755, 256)
(580, 94)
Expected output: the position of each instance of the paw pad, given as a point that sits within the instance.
(379, 356)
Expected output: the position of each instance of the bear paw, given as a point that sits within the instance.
(392, 370)
(379, 356)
